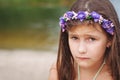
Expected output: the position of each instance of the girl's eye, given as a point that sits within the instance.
(91, 39)
(74, 38)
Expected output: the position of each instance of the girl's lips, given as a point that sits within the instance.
(82, 58)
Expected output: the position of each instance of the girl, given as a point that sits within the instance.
(89, 47)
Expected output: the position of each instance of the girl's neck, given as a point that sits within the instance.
(90, 72)
(91, 69)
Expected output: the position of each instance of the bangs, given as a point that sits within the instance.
(89, 23)
(73, 23)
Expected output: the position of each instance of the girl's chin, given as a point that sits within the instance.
(84, 64)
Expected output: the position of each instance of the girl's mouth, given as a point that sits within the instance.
(82, 58)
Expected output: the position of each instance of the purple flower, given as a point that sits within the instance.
(110, 30)
(108, 26)
(69, 14)
(81, 15)
(63, 27)
(62, 23)
(62, 20)
(95, 16)
(106, 23)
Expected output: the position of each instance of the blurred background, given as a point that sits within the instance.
(29, 35)
(30, 24)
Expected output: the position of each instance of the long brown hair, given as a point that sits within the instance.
(65, 61)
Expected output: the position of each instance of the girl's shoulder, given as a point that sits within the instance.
(53, 72)
(53, 66)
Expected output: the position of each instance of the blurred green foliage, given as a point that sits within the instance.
(19, 15)
(30, 24)
(27, 2)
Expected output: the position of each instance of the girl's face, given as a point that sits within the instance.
(87, 45)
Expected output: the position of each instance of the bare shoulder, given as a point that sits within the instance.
(53, 72)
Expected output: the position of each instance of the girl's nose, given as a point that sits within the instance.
(82, 48)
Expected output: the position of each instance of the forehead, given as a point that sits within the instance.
(87, 29)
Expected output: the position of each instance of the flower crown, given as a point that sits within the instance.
(107, 25)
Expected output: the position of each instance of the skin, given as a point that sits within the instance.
(87, 45)
(53, 72)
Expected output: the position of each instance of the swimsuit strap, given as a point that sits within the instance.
(94, 78)
(78, 72)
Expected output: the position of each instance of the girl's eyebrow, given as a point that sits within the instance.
(86, 34)
(92, 35)
(71, 34)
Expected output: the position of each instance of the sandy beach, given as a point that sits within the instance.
(25, 64)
